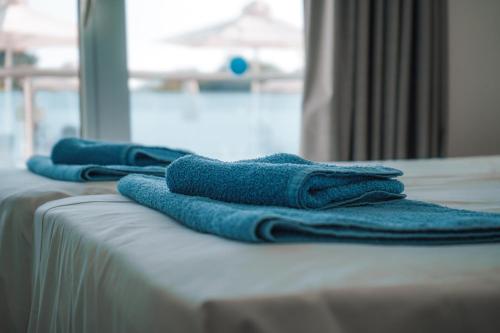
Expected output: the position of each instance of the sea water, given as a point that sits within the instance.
(224, 125)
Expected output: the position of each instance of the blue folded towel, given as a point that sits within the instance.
(283, 180)
(83, 152)
(43, 166)
(398, 221)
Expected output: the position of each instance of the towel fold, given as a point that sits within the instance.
(84, 152)
(394, 222)
(283, 180)
(44, 166)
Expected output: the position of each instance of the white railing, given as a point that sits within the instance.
(190, 82)
(28, 72)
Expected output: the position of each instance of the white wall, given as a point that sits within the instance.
(474, 95)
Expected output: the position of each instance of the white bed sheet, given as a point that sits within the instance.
(106, 264)
(21, 193)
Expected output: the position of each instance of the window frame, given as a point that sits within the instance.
(104, 93)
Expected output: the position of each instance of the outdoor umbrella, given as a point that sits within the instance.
(255, 29)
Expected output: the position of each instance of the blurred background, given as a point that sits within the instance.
(224, 83)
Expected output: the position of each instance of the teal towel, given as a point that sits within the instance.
(43, 166)
(84, 152)
(283, 180)
(394, 222)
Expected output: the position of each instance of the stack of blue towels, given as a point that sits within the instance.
(278, 198)
(80, 160)
(284, 198)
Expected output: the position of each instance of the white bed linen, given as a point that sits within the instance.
(21, 192)
(106, 264)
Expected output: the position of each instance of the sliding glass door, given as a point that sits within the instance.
(39, 100)
(222, 78)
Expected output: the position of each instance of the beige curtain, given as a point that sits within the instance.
(376, 79)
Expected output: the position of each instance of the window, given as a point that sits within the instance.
(39, 101)
(222, 78)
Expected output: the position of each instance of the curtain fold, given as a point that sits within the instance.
(376, 79)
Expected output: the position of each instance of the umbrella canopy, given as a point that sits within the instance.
(22, 27)
(254, 28)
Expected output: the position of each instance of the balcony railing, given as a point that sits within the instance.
(28, 72)
(189, 82)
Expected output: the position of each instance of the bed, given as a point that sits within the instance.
(103, 263)
(21, 193)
